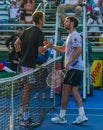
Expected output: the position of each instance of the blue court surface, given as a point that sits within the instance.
(94, 111)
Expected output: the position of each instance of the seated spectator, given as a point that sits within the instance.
(29, 8)
(13, 10)
(13, 57)
(99, 4)
(26, 9)
(95, 21)
(70, 5)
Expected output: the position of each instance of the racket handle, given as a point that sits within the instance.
(51, 92)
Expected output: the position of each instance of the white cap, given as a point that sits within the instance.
(96, 9)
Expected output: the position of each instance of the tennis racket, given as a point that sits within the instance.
(55, 79)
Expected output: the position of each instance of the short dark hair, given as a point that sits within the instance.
(37, 15)
(74, 19)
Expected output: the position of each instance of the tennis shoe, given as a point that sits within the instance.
(58, 120)
(28, 122)
(80, 120)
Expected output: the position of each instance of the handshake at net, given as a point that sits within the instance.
(48, 43)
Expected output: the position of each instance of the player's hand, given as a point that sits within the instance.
(67, 66)
(50, 44)
(45, 42)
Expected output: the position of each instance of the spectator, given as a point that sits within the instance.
(70, 5)
(99, 4)
(26, 10)
(29, 8)
(13, 10)
(94, 20)
(13, 57)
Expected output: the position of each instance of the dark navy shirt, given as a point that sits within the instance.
(31, 39)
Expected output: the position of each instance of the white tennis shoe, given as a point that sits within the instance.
(80, 120)
(58, 120)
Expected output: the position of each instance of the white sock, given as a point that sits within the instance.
(81, 111)
(25, 115)
(62, 113)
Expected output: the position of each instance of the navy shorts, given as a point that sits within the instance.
(73, 77)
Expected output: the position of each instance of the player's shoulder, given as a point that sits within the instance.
(75, 34)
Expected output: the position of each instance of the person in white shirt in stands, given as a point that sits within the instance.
(14, 7)
(70, 5)
(93, 22)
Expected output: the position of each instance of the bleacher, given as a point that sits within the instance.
(9, 27)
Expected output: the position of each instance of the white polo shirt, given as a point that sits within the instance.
(73, 40)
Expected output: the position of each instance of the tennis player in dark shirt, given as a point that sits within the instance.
(30, 44)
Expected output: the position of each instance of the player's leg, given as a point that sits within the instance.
(64, 101)
(25, 97)
(82, 117)
(76, 79)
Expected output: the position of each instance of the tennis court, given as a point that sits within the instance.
(94, 110)
(41, 110)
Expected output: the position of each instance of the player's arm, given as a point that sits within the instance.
(42, 49)
(59, 48)
(17, 45)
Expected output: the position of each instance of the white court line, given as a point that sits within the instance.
(75, 114)
(58, 108)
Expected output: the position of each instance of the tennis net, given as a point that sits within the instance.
(42, 98)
